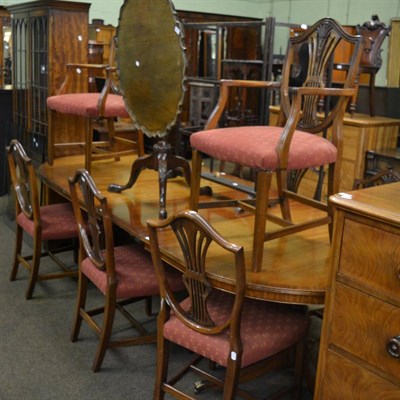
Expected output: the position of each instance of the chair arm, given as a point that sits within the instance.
(225, 84)
(109, 87)
(250, 83)
(319, 91)
(73, 68)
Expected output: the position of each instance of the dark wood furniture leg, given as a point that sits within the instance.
(161, 160)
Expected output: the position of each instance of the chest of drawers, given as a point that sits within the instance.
(360, 343)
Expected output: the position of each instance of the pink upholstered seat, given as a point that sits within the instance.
(255, 147)
(58, 222)
(266, 329)
(134, 273)
(86, 105)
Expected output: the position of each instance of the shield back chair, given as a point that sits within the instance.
(100, 111)
(297, 144)
(245, 336)
(55, 222)
(381, 178)
(374, 33)
(123, 274)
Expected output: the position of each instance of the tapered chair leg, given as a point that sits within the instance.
(231, 379)
(82, 292)
(17, 252)
(162, 354)
(298, 369)
(195, 180)
(162, 368)
(37, 252)
(284, 201)
(263, 185)
(88, 144)
(105, 334)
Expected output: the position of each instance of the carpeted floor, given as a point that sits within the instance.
(38, 361)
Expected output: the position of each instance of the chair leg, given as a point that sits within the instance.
(80, 305)
(50, 145)
(333, 187)
(231, 379)
(88, 144)
(353, 100)
(298, 369)
(111, 136)
(282, 178)
(105, 334)
(17, 252)
(263, 182)
(34, 272)
(372, 95)
(162, 357)
(162, 368)
(195, 180)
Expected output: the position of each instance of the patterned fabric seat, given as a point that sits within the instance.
(86, 105)
(123, 274)
(265, 329)
(134, 273)
(58, 222)
(255, 147)
(42, 223)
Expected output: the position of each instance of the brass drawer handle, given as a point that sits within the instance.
(393, 347)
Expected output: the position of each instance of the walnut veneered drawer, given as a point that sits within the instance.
(346, 380)
(371, 256)
(363, 325)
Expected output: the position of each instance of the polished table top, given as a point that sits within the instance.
(295, 268)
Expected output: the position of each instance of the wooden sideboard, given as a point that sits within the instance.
(360, 133)
(360, 342)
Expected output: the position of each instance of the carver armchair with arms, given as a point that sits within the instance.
(123, 274)
(297, 144)
(96, 109)
(245, 336)
(54, 222)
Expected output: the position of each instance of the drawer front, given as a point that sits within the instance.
(371, 256)
(362, 325)
(346, 380)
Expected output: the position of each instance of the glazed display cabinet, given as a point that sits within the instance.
(46, 36)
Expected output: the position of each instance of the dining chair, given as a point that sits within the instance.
(245, 336)
(373, 33)
(123, 274)
(100, 111)
(381, 178)
(53, 223)
(301, 142)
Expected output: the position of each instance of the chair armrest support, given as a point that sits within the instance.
(225, 84)
(73, 68)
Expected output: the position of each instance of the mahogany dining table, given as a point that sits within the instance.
(295, 268)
